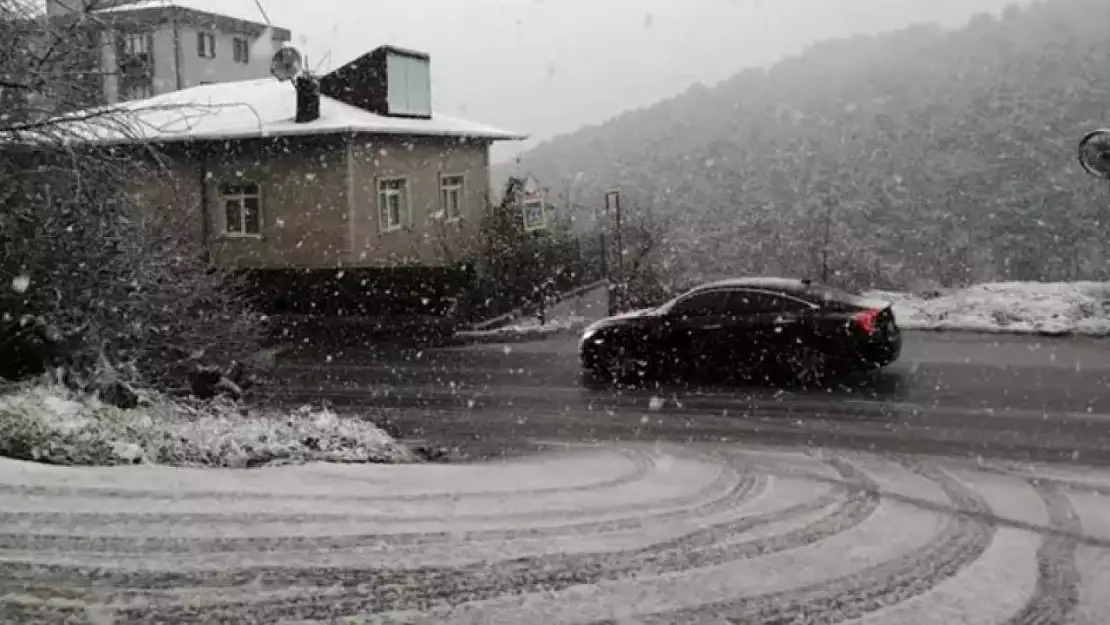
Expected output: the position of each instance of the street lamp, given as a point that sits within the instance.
(1094, 153)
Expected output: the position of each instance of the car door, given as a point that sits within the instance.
(765, 326)
(784, 326)
(694, 329)
(743, 335)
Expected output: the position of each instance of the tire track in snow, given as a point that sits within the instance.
(729, 490)
(1057, 593)
(737, 515)
(963, 539)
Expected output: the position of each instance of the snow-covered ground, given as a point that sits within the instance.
(1015, 307)
(51, 424)
(635, 533)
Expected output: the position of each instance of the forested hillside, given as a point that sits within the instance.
(945, 157)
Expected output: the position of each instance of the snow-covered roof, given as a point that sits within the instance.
(251, 109)
(772, 282)
(246, 10)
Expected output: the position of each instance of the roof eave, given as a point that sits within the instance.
(305, 133)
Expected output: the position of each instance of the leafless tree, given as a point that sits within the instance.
(99, 273)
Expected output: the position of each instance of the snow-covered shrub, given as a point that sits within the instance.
(1023, 307)
(48, 423)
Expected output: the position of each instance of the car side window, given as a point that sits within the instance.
(742, 303)
(701, 304)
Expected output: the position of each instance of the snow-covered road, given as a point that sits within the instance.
(606, 534)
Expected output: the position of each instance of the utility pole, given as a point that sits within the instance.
(825, 246)
(613, 203)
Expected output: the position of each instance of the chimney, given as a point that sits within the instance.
(308, 98)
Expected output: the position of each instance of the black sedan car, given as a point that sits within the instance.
(749, 326)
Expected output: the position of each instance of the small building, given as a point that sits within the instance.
(152, 47)
(353, 171)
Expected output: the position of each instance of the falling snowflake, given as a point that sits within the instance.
(21, 283)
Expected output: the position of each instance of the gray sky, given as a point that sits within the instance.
(546, 67)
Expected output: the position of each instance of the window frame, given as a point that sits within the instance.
(802, 305)
(206, 44)
(241, 50)
(135, 43)
(724, 294)
(458, 190)
(404, 220)
(241, 195)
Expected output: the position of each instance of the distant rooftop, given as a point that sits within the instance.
(246, 10)
(252, 109)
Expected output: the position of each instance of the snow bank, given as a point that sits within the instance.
(1011, 307)
(52, 424)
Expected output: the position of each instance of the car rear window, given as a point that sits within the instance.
(827, 295)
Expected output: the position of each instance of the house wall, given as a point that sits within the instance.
(319, 209)
(222, 68)
(304, 204)
(426, 239)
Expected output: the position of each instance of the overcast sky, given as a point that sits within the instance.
(546, 67)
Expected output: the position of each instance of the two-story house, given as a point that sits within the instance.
(352, 172)
(152, 47)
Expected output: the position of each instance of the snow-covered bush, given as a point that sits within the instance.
(52, 424)
(1015, 307)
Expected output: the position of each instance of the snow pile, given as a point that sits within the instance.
(51, 424)
(1011, 307)
(530, 328)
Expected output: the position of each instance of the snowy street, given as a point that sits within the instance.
(629, 533)
(1018, 397)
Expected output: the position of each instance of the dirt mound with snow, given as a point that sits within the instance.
(48, 423)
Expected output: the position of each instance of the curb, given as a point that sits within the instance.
(523, 336)
(1006, 332)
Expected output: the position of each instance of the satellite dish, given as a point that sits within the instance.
(286, 63)
(1094, 153)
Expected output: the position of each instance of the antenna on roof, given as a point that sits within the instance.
(287, 63)
(325, 59)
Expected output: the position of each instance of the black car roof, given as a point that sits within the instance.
(778, 284)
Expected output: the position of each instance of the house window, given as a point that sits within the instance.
(136, 43)
(206, 45)
(241, 50)
(242, 210)
(393, 203)
(450, 196)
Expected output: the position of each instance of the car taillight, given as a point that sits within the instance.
(868, 321)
